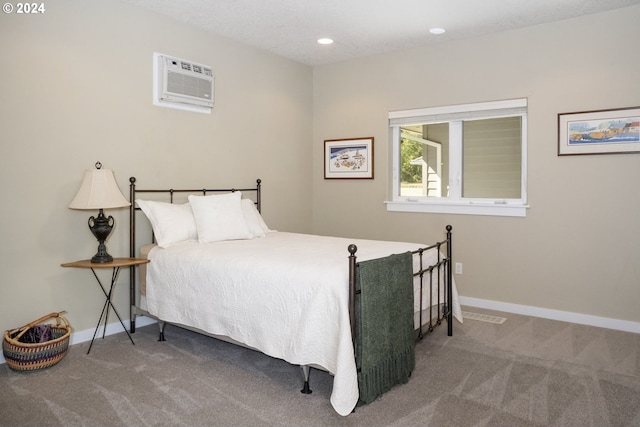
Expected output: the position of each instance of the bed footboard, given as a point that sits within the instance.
(437, 275)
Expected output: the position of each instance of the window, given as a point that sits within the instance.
(467, 159)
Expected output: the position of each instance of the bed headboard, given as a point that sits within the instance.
(168, 196)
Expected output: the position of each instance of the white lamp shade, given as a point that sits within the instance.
(99, 191)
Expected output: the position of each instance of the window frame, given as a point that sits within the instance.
(455, 203)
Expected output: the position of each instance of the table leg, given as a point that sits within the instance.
(104, 307)
(107, 304)
(114, 279)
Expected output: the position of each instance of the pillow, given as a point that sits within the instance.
(219, 217)
(256, 224)
(263, 224)
(171, 223)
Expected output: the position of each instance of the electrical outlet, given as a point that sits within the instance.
(458, 268)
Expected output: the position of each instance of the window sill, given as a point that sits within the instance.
(492, 209)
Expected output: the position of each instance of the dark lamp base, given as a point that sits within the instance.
(101, 228)
(101, 258)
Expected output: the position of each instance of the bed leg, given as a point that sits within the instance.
(161, 326)
(132, 324)
(305, 372)
(449, 290)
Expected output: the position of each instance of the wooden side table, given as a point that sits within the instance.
(115, 265)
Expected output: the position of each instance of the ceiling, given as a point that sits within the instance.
(291, 28)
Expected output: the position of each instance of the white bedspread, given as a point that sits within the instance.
(285, 294)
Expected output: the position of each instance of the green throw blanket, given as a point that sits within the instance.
(385, 345)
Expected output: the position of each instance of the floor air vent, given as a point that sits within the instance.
(484, 317)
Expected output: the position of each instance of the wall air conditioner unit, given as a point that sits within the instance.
(182, 83)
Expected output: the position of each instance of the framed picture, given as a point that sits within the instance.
(348, 158)
(599, 132)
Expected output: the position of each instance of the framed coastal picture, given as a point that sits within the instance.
(599, 132)
(348, 158)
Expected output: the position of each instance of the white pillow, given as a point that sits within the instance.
(256, 224)
(171, 223)
(219, 217)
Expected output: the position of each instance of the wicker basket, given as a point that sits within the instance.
(22, 356)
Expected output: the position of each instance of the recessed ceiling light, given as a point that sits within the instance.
(437, 31)
(325, 41)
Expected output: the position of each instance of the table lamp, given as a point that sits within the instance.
(99, 191)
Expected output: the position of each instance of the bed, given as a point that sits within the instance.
(301, 298)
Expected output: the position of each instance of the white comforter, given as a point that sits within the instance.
(285, 294)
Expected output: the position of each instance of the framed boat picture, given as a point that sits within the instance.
(348, 158)
(599, 132)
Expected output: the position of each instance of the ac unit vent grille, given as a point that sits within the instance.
(188, 85)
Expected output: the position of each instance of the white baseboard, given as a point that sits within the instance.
(545, 313)
(112, 328)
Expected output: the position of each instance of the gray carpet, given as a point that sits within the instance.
(525, 372)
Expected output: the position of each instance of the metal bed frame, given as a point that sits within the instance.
(438, 274)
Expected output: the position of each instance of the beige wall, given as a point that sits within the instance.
(577, 250)
(75, 88)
